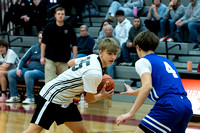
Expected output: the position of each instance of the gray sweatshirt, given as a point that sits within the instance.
(192, 13)
(174, 14)
(133, 32)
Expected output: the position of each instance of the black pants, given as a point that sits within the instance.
(153, 26)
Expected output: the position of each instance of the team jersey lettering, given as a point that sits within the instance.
(169, 69)
(85, 62)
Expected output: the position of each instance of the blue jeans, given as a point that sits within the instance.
(167, 23)
(29, 76)
(126, 52)
(111, 69)
(194, 29)
(115, 6)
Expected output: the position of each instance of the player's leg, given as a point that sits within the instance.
(185, 113)
(138, 130)
(71, 117)
(33, 128)
(76, 127)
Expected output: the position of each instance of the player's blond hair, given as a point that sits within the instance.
(109, 44)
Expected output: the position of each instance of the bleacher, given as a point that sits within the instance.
(125, 74)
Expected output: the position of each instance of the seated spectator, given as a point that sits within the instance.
(156, 12)
(29, 70)
(127, 8)
(101, 30)
(8, 61)
(77, 4)
(190, 21)
(122, 28)
(174, 12)
(85, 42)
(108, 34)
(128, 47)
(17, 14)
(38, 15)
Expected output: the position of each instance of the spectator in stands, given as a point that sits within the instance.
(174, 12)
(122, 28)
(17, 14)
(190, 21)
(128, 47)
(77, 4)
(55, 48)
(85, 42)
(29, 70)
(127, 8)
(38, 14)
(156, 12)
(8, 61)
(108, 34)
(101, 30)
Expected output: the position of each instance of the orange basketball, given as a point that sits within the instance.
(106, 79)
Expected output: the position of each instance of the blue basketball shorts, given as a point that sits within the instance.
(171, 113)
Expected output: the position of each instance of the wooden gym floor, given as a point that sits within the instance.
(98, 117)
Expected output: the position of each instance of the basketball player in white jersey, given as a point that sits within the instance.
(55, 102)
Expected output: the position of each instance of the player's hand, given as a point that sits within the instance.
(106, 94)
(122, 118)
(129, 91)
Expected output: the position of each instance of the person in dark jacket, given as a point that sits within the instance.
(29, 70)
(17, 14)
(38, 14)
(127, 47)
(85, 42)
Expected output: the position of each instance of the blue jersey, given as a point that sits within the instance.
(165, 78)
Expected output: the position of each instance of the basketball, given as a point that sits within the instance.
(106, 79)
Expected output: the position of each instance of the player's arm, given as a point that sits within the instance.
(130, 91)
(90, 97)
(143, 93)
(71, 62)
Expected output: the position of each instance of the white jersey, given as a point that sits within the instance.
(84, 76)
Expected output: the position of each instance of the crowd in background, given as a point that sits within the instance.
(60, 44)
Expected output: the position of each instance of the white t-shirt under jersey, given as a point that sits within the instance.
(84, 76)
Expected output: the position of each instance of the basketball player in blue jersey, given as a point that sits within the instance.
(160, 83)
(55, 101)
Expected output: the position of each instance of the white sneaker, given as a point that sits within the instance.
(29, 101)
(14, 99)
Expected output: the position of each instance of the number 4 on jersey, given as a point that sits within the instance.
(169, 69)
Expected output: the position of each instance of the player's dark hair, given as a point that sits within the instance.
(4, 43)
(109, 44)
(146, 40)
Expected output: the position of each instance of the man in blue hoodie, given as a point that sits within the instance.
(29, 70)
